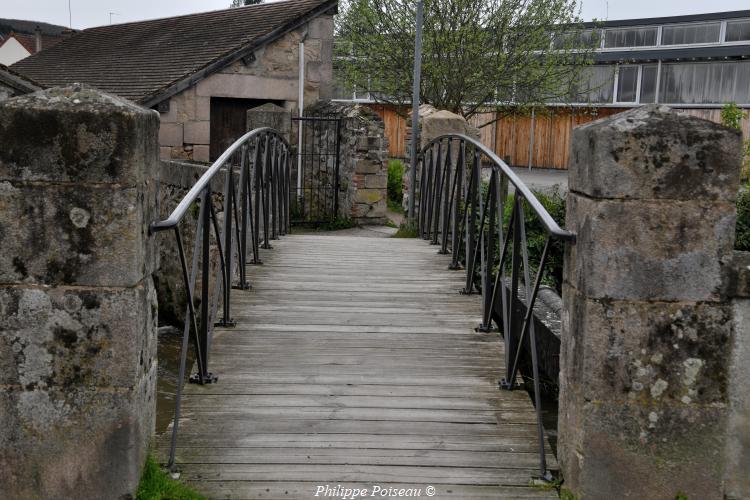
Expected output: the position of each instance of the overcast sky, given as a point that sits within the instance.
(87, 13)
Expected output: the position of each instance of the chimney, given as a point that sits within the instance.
(38, 33)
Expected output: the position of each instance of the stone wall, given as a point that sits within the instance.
(363, 171)
(271, 75)
(648, 325)
(77, 304)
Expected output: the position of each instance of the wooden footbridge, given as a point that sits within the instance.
(355, 362)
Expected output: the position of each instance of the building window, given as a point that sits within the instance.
(575, 40)
(705, 83)
(627, 84)
(648, 83)
(596, 85)
(738, 31)
(691, 33)
(631, 37)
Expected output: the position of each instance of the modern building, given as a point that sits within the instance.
(202, 72)
(694, 63)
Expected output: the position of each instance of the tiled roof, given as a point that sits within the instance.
(142, 60)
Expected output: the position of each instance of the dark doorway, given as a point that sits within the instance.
(229, 121)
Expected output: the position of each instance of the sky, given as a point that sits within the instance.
(88, 13)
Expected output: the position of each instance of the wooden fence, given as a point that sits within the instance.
(511, 135)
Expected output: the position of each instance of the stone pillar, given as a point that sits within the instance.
(647, 327)
(432, 124)
(737, 481)
(270, 115)
(77, 306)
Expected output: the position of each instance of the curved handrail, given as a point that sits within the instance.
(262, 160)
(549, 223)
(197, 190)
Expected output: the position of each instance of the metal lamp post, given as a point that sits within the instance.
(415, 109)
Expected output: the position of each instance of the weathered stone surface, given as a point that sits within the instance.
(653, 153)
(376, 181)
(77, 304)
(197, 132)
(676, 247)
(270, 115)
(75, 234)
(202, 153)
(171, 134)
(432, 124)
(76, 336)
(76, 442)
(648, 352)
(647, 391)
(738, 445)
(107, 133)
(737, 276)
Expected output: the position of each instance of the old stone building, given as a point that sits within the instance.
(202, 72)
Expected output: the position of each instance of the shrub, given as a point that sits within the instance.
(395, 187)
(743, 222)
(157, 485)
(732, 116)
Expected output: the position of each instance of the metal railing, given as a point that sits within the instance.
(256, 183)
(466, 215)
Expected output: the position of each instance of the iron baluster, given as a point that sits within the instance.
(447, 202)
(439, 177)
(457, 196)
(487, 292)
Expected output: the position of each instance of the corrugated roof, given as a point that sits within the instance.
(144, 59)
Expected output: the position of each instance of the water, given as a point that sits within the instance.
(170, 343)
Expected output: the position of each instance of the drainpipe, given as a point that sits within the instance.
(301, 106)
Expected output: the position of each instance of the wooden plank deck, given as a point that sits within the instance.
(355, 362)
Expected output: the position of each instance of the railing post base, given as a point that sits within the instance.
(454, 267)
(226, 323)
(508, 386)
(484, 329)
(443, 252)
(209, 378)
(242, 286)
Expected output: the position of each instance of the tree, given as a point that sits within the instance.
(477, 53)
(242, 3)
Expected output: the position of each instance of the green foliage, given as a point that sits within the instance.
(681, 496)
(536, 235)
(732, 115)
(476, 53)
(408, 229)
(743, 222)
(395, 183)
(157, 485)
(566, 494)
(745, 170)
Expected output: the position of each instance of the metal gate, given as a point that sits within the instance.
(315, 184)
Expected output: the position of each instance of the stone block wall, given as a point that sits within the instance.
(363, 171)
(648, 323)
(271, 75)
(77, 304)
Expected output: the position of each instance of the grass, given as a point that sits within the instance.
(156, 484)
(406, 230)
